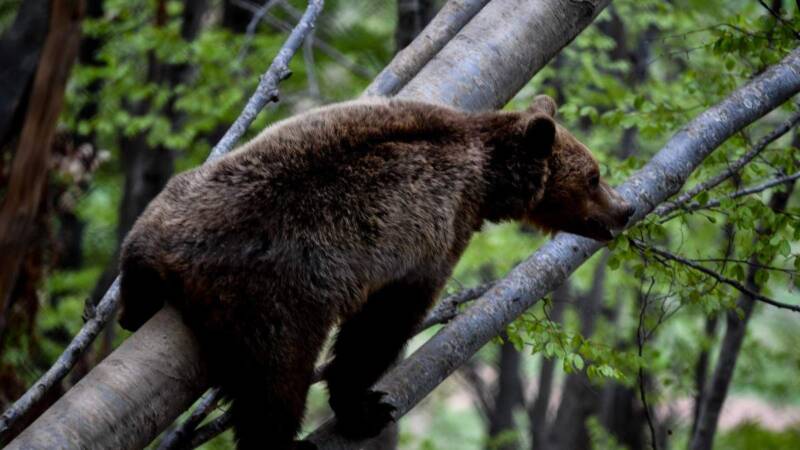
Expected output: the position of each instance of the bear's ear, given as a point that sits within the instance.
(544, 104)
(539, 134)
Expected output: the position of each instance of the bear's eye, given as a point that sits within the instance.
(594, 180)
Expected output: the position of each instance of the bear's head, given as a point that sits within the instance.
(575, 198)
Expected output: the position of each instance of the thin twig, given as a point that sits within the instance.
(744, 261)
(267, 91)
(743, 192)
(211, 429)
(717, 276)
(779, 18)
(177, 438)
(250, 31)
(311, 73)
(732, 169)
(95, 323)
(327, 49)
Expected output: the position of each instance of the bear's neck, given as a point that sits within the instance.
(514, 180)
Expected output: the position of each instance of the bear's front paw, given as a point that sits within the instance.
(364, 416)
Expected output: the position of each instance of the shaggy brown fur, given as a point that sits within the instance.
(354, 214)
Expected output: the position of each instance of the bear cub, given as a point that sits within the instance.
(352, 214)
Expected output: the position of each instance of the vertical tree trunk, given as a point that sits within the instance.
(412, 17)
(537, 414)
(736, 328)
(22, 225)
(509, 396)
(29, 169)
(20, 48)
(147, 169)
(701, 372)
(579, 399)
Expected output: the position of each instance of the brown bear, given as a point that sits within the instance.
(353, 214)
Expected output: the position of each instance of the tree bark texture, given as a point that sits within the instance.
(412, 17)
(408, 62)
(29, 169)
(128, 398)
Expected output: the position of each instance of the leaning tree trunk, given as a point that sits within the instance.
(469, 73)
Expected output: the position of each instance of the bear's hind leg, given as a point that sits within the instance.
(367, 344)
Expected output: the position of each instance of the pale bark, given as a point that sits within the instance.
(408, 62)
(128, 398)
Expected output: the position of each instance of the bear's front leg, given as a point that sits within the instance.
(367, 344)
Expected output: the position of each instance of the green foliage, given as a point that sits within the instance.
(749, 436)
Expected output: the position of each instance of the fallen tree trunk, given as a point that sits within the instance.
(663, 176)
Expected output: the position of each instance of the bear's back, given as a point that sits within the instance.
(356, 190)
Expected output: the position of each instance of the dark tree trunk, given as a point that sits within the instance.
(701, 372)
(20, 48)
(35, 109)
(622, 416)
(537, 413)
(235, 18)
(30, 167)
(579, 399)
(147, 169)
(735, 331)
(412, 17)
(509, 396)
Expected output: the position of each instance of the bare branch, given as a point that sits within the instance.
(99, 317)
(329, 51)
(409, 61)
(447, 308)
(177, 439)
(641, 339)
(266, 92)
(779, 18)
(732, 169)
(250, 31)
(713, 274)
(211, 429)
(743, 192)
